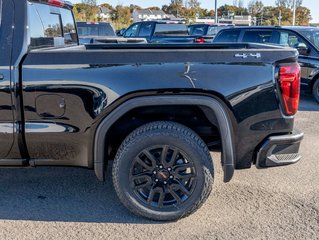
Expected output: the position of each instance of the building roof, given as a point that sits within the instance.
(150, 12)
(105, 10)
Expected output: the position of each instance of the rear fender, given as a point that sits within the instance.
(216, 108)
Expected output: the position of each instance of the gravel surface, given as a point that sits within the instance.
(68, 203)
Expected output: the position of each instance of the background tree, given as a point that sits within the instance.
(193, 10)
(134, 7)
(121, 17)
(176, 7)
(90, 9)
(190, 9)
(303, 16)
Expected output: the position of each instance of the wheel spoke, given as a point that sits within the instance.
(184, 176)
(161, 198)
(151, 195)
(164, 155)
(182, 167)
(141, 176)
(143, 164)
(181, 187)
(150, 157)
(174, 195)
(143, 185)
(173, 158)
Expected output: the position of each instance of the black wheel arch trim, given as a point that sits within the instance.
(223, 120)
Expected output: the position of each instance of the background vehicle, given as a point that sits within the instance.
(206, 31)
(100, 32)
(304, 39)
(155, 109)
(160, 32)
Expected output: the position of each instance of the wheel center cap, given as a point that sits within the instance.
(163, 175)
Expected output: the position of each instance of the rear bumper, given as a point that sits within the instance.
(280, 150)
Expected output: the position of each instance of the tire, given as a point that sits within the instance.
(163, 171)
(315, 90)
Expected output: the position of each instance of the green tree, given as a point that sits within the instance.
(153, 8)
(121, 17)
(176, 8)
(193, 10)
(303, 16)
(90, 9)
(134, 7)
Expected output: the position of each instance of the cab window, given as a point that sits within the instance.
(257, 36)
(146, 30)
(50, 26)
(132, 31)
(290, 39)
(228, 36)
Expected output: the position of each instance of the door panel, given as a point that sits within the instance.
(6, 110)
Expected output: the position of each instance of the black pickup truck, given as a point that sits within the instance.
(156, 110)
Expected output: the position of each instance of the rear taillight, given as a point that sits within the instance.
(58, 3)
(290, 87)
(200, 40)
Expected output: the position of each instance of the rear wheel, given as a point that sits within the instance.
(163, 171)
(315, 90)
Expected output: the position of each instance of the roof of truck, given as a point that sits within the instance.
(295, 28)
(56, 3)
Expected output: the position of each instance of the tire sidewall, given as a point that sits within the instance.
(315, 90)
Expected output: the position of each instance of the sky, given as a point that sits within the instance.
(209, 4)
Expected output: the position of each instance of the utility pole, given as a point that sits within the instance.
(294, 13)
(216, 13)
(280, 17)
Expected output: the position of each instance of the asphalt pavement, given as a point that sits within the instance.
(69, 203)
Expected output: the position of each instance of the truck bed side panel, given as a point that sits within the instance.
(66, 98)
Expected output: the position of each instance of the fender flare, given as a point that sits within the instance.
(223, 120)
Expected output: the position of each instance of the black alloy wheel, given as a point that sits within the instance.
(163, 177)
(163, 171)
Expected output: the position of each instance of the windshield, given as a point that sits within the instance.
(312, 36)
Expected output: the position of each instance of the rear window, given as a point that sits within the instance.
(171, 29)
(95, 29)
(50, 26)
(228, 36)
(198, 30)
(212, 31)
(257, 36)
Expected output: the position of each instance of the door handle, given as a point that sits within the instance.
(1, 77)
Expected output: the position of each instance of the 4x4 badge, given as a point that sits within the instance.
(246, 55)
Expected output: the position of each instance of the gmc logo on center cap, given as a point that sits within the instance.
(246, 55)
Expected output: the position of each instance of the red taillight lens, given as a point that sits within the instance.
(200, 40)
(58, 3)
(290, 87)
